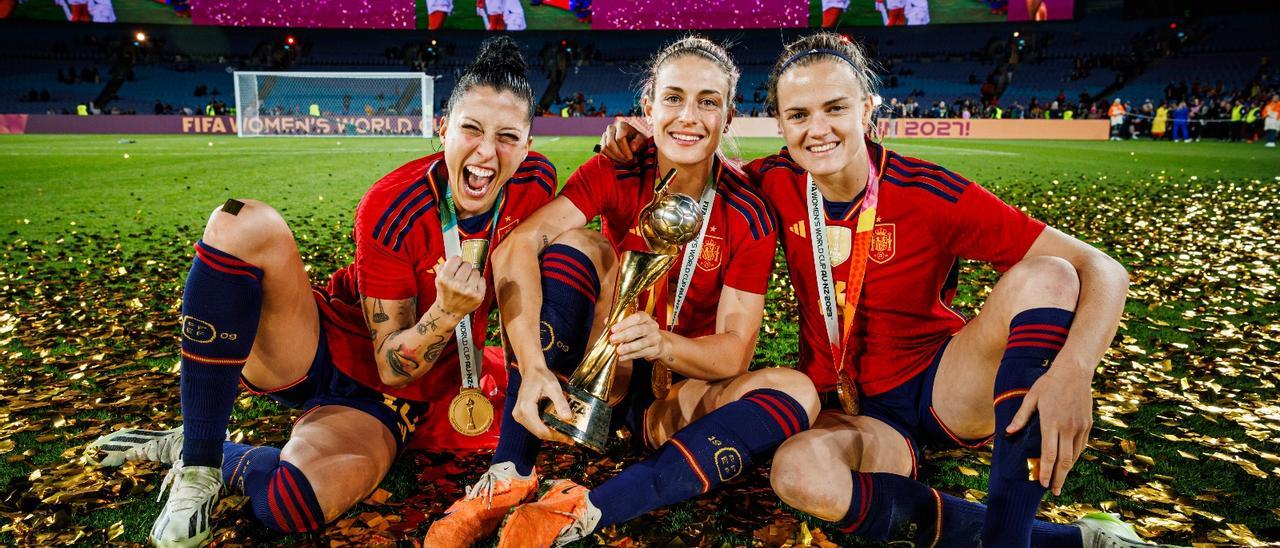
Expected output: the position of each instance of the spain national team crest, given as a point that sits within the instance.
(198, 330)
(712, 253)
(883, 243)
(839, 243)
(728, 463)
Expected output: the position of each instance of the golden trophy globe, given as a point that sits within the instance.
(667, 223)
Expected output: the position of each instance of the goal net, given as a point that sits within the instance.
(333, 104)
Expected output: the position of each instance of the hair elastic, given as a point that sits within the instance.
(817, 51)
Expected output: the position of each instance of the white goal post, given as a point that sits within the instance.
(334, 104)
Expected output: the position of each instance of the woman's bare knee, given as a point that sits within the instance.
(333, 447)
(1042, 281)
(808, 475)
(253, 233)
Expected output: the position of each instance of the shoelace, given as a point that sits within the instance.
(179, 485)
(164, 485)
(577, 529)
(154, 450)
(485, 486)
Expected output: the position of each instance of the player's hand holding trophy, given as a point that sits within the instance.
(668, 222)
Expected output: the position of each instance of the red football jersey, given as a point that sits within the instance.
(927, 220)
(738, 249)
(399, 243)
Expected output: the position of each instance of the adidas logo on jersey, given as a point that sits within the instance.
(800, 228)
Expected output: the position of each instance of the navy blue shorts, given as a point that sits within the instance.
(908, 408)
(325, 384)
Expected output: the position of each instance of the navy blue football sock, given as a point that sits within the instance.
(716, 448)
(220, 308)
(1054, 535)
(280, 496)
(570, 287)
(889, 508)
(516, 445)
(1035, 337)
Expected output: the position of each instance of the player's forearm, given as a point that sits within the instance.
(516, 278)
(1103, 287)
(708, 358)
(407, 354)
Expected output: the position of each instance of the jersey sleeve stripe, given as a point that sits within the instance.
(924, 179)
(960, 183)
(751, 205)
(396, 222)
(782, 160)
(927, 187)
(535, 158)
(532, 168)
(782, 164)
(754, 227)
(395, 204)
(921, 173)
(412, 220)
(535, 178)
(761, 212)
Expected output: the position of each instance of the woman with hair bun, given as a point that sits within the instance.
(683, 356)
(364, 356)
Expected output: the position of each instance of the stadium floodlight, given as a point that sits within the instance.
(334, 104)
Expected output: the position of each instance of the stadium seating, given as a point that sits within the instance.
(939, 62)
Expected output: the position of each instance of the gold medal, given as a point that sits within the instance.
(470, 412)
(848, 394)
(660, 380)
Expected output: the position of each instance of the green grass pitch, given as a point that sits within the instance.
(96, 239)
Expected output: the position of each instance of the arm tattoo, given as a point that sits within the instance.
(379, 315)
(545, 243)
(401, 362)
(433, 350)
(381, 343)
(393, 361)
(429, 323)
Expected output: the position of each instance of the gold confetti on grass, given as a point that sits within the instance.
(1185, 442)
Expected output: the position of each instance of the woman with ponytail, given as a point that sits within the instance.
(364, 356)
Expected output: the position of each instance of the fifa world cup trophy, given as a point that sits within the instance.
(667, 223)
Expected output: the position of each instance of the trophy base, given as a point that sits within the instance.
(589, 426)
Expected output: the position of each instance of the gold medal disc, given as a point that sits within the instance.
(660, 381)
(470, 412)
(848, 394)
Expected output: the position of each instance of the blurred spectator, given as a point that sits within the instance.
(1116, 113)
(1160, 122)
(1271, 119)
(1253, 122)
(1181, 118)
(1237, 121)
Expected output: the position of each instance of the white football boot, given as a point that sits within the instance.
(1106, 530)
(193, 494)
(134, 444)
